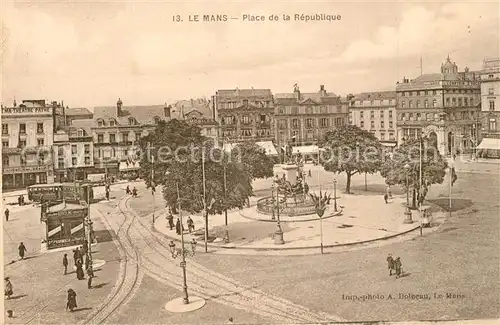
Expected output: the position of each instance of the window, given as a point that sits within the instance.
(100, 123)
(460, 102)
(491, 91)
(428, 116)
(466, 101)
(125, 137)
(60, 163)
(5, 129)
(448, 102)
(156, 120)
(454, 101)
(434, 92)
(372, 124)
(245, 119)
(426, 103)
(73, 149)
(390, 125)
(339, 121)
(73, 161)
(324, 122)
(390, 101)
(309, 123)
(362, 124)
(112, 138)
(39, 128)
(87, 160)
(410, 104)
(492, 105)
(295, 123)
(434, 103)
(246, 132)
(471, 101)
(22, 143)
(382, 136)
(403, 104)
(60, 151)
(87, 149)
(426, 93)
(80, 133)
(5, 161)
(245, 102)
(100, 138)
(112, 122)
(131, 121)
(492, 126)
(418, 93)
(410, 116)
(390, 114)
(403, 93)
(381, 114)
(361, 114)
(411, 93)
(418, 104)
(372, 114)
(282, 124)
(382, 125)
(22, 128)
(371, 102)
(40, 142)
(5, 143)
(263, 118)
(402, 116)
(418, 116)
(391, 136)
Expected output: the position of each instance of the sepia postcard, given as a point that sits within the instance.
(250, 162)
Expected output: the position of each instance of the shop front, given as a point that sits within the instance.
(22, 176)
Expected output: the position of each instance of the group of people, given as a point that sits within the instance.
(395, 265)
(79, 254)
(178, 226)
(133, 192)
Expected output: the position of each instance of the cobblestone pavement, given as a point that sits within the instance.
(157, 262)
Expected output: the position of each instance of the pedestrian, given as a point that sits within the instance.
(22, 199)
(90, 274)
(22, 249)
(79, 269)
(10, 313)
(170, 219)
(7, 212)
(386, 197)
(127, 190)
(65, 263)
(190, 224)
(390, 264)
(389, 191)
(230, 321)
(107, 194)
(398, 266)
(8, 290)
(178, 227)
(71, 303)
(87, 261)
(19, 200)
(76, 255)
(309, 173)
(134, 192)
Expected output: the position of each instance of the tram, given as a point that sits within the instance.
(71, 192)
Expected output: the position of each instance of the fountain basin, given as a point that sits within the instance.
(289, 207)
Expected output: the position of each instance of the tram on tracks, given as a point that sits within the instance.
(71, 192)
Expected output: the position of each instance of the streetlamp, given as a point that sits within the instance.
(408, 218)
(335, 195)
(278, 235)
(320, 203)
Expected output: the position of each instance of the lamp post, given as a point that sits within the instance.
(335, 195)
(278, 235)
(182, 252)
(273, 217)
(320, 203)
(153, 184)
(407, 213)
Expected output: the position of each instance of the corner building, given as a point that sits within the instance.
(441, 107)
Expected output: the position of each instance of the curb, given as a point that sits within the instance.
(288, 248)
(335, 214)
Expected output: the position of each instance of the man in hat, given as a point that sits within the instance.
(398, 266)
(190, 224)
(390, 264)
(65, 263)
(178, 227)
(7, 212)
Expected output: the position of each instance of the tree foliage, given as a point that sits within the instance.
(253, 159)
(408, 154)
(352, 150)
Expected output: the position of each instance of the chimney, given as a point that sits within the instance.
(296, 91)
(15, 103)
(322, 90)
(166, 110)
(119, 104)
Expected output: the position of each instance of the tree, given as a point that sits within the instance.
(408, 154)
(253, 159)
(168, 140)
(351, 150)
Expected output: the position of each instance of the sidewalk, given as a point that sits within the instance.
(365, 218)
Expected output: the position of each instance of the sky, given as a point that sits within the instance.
(90, 53)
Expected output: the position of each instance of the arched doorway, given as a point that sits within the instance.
(433, 139)
(450, 142)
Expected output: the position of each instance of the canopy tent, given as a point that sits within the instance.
(489, 143)
(269, 147)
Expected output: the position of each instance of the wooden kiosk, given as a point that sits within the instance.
(65, 224)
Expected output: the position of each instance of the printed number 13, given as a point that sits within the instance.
(176, 18)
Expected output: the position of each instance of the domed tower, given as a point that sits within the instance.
(449, 67)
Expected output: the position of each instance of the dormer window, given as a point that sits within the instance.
(100, 122)
(156, 120)
(80, 133)
(131, 121)
(112, 122)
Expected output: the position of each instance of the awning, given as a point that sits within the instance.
(312, 149)
(388, 144)
(129, 166)
(489, 143)
(268, 146)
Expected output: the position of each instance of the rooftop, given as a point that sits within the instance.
(142, 114)
(77, 111)
(244, 92)
(375, 95)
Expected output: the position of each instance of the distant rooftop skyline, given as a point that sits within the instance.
(90, 54)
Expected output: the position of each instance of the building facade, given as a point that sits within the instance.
(490, 108)
(301, 119)
(376, 113)
(27, 139)
(199, 112)
(244, 114)
(442, 107)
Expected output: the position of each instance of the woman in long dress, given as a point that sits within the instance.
(8, 288)
(71, 303)
(80, 275)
